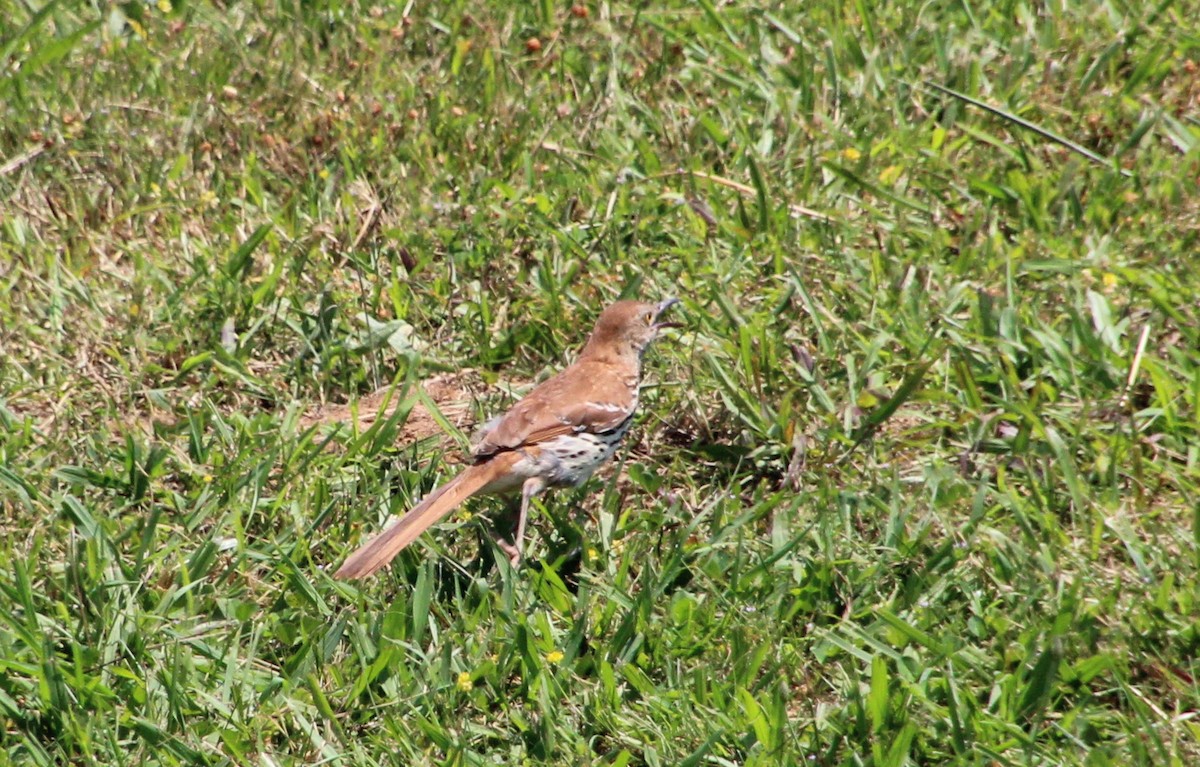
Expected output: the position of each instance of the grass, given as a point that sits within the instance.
(916, 483)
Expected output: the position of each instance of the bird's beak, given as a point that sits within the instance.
(661, 309)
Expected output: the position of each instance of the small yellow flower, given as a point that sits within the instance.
(324, 174)
(554, 657)
(208, 478)
(890, 174)
(164, 6)
(464, 681)
(135, 310)
(1109, 279)
(851, 154)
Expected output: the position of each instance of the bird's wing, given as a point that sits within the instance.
(578, 399)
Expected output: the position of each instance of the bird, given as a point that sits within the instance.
(556, 436)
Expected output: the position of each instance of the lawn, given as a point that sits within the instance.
(916, 483)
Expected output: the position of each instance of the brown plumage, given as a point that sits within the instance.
(556, 436)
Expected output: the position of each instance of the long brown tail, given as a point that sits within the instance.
(384, 547)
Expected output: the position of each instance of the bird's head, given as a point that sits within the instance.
(629, 327)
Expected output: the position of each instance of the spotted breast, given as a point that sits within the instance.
(570, 459)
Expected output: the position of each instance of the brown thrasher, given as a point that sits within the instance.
(556, 436)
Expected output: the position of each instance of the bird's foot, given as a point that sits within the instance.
(514, 553)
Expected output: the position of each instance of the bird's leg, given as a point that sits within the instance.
(532, 487)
